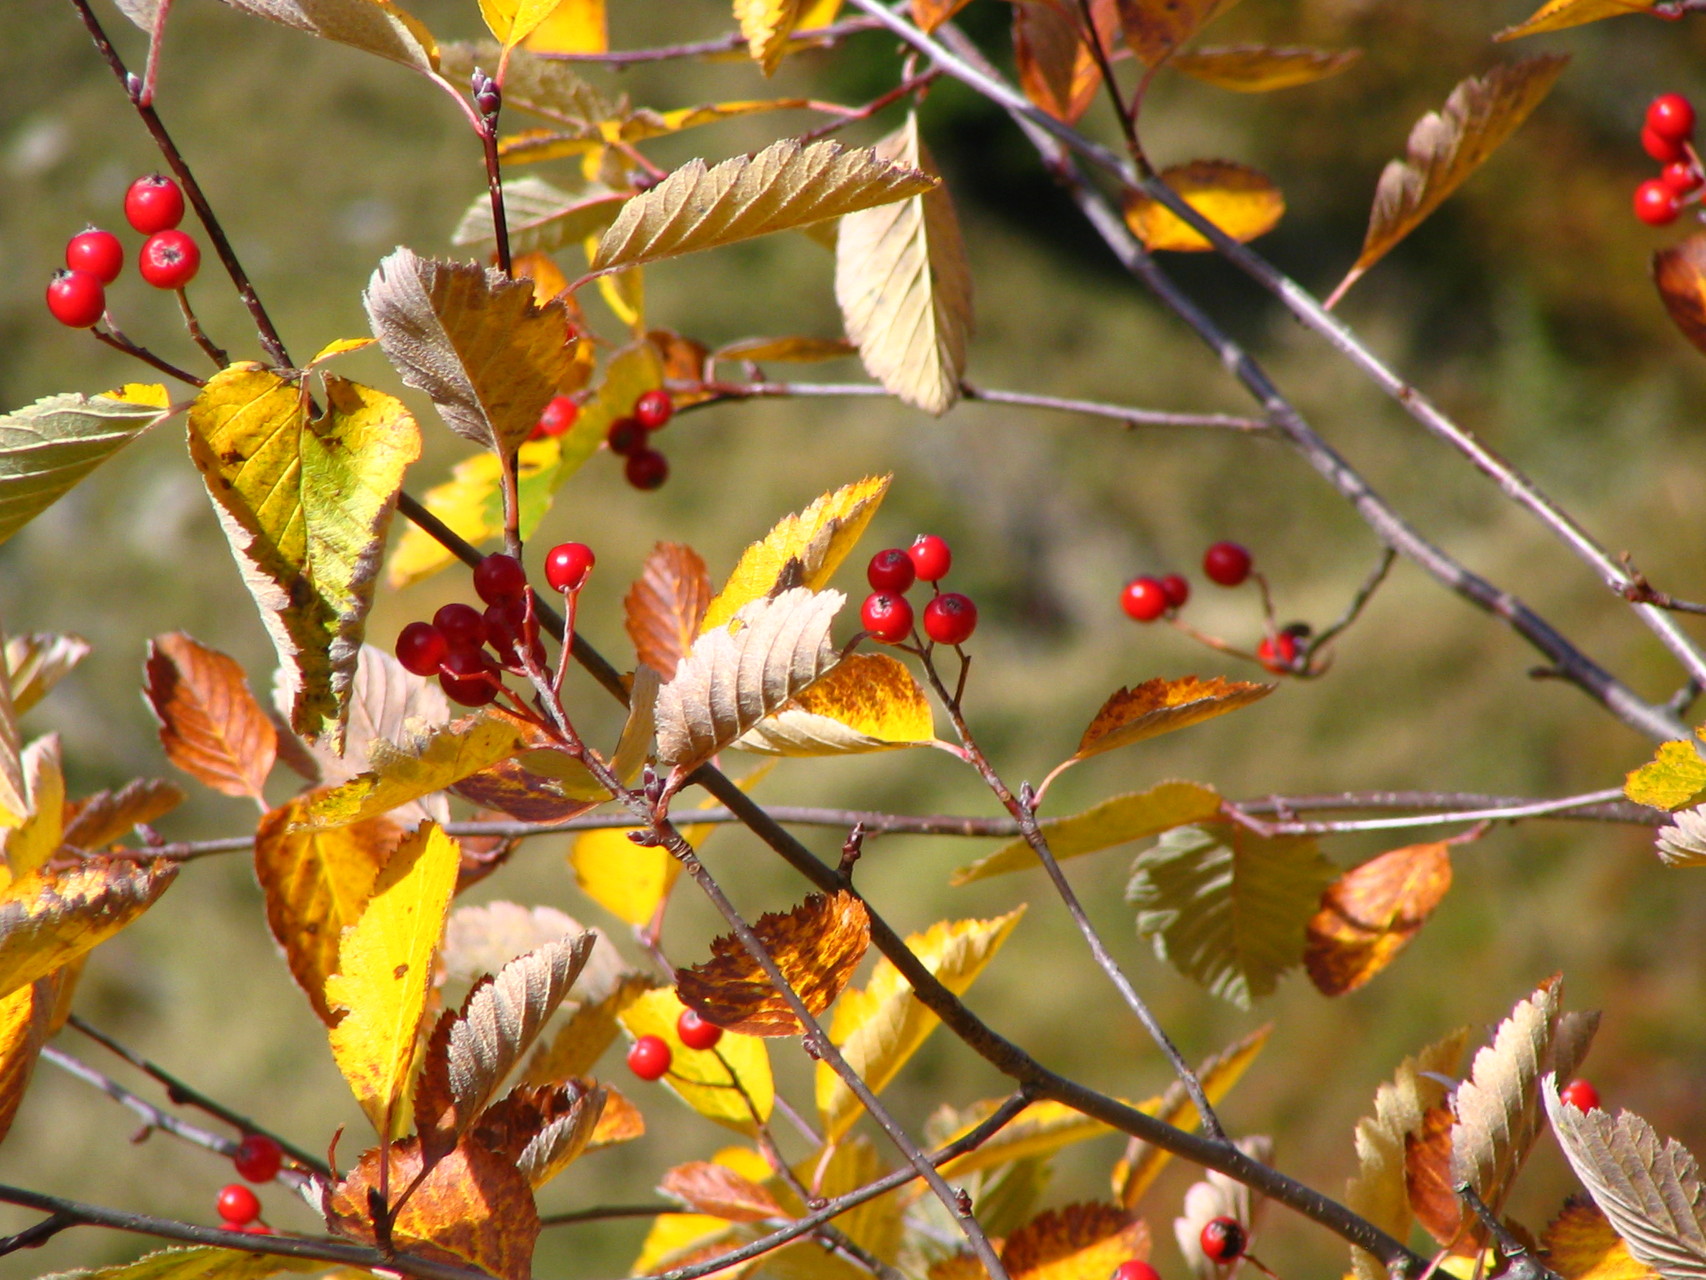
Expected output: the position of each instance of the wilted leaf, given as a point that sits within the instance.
(1555, 15)
(50, 918)
(1679, 271)
(1227, 907)
(25, 1024)
(1118, 820)
(782, 187)
(767, 24)
(1580, 1245)
(305, 503)
(1155, 28)
(210, 724)
(1650, 1193)
(1446, 146)
(904, 287)
(1674, 779)
(1262, 68)
(785, 350)
(718, 1191)
(373, 26)
(700, 1077)
(1683, 842)
(108, 816)
(1241, 201)
(868, 702)
(666, 604)
(1428, 1182)
(581, 1041)
(1160, 706)
(564, 1136)
(881, 1026)
(817, 946)
(47, 447)
(539, 217)
(1370, 914)
(200, 1263)
(37, 662)
(385, 971)
(1057, 70)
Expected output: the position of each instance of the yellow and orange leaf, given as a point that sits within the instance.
(27, 846)
(717, 1191)
(785, 350)
(1262, 68)
(1428, 1182)
(868, 702)
(1160, 706)
(620, 1121)
(767, 24)
(50, 918)
(930, 14)
(1243, 202)
(701, 1077)
(1155, 28)
(1057, 70)
(1555, 15)
(1078, 1242)
(106, 817)
(665, 606)
(210, 724)
(1679, 271)
(26, 1020)
(1580, 1245)
(1370, 914)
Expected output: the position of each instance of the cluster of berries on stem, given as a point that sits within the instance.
(1282, 650)
(630, 438)
(650, 1056)
(887, 616)
(168, 259)
(1667, 136)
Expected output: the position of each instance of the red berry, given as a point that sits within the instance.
(1655, 203)
(1681, 177)
(1144, 599)
(627, 437)
(650, 1057)
(1670, 115)
(950, 618)
(76, 298)
(1278, 653)
(1177, 590)
(647, 469)
(1579, 1094)
(558, 417)
(97, 252)
(654, 409)
(153, 204)
(887, 617)
(499, 577)
(695, 1032)
(1226, 563)
(168, 259)
(1135, 1269)
(468, 678)
(891, 570)
(259, 1158)
(420, 648)
(930, 557)
(506, 625)
(1223, 1239)
(461, 625)
(567, 565)
(1662, 149)
(238, 1205)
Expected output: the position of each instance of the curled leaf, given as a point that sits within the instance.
(210, 724)
(1241, 201)
(563, 1135)
(1160, 706)
(1370, 914)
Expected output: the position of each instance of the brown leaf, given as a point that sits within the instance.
(1057, 71)
(510, 787)
(666, 604)
(108, 816)
(1154, 28)
(1262, 68)
(210, 724)
(720, 1192)
(1370, 914)
(785, 350)
(1160, 706)
(817, 946)
(1579, 1244)
(620, 1122)
(1077, 1242)
(565, 1131)
(1680, 274)
(1427, 1178)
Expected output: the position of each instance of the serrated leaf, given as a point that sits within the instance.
(1683, 842)
(782, 187)
(1160, 706)
(819, 538)
(1675, 778)
(50, 918)
(735, 676)
(1155, 28)
(1057, 70)
(99, 820)
(305, 503)
(1076, 1242)
(201, 1263)
(1369, 915)
(373, 26)
(539, 217)
(1136, 815)
(1448, 145)
(210, 724)
(1263, 68)
(663, 609)
(868, 702)
(1429, 1184)
(385, 971)
(47, 447)
(1555, 15)
(26, 1017)
(37, 662)
(1650, 1193)
(767, 24)
(879, 1027)
(700, 1077)
(904, 287)
(1243, 202)
(719, 1192)
(481, 939)
(584, 1037)
(1580, 1245)
(563, 1137)
(1679, 271)
(1227, 907)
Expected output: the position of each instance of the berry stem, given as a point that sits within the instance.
(488, 131)
(116, 340)
(1317, 642)
(213, 351)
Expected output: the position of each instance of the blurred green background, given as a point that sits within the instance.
(1523, 307)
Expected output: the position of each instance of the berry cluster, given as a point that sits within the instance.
(1667, 136)
(949, 618)
(650, 1057)
(240, 1210)
(630, 438)
(168, 259)
(1226, 564)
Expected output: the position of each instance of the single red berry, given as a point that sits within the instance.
(695, 1032)
(1656, 204)
(647, 469)
(153, 204)
(461, 625)
(627, 437)
(1278, 653)
(97, 252)
(1226, 563)
(950, 618)
(1144, 599)
(468, 678)
(1135, 1269)
(1681, 177)
(1664, 150)
(654, 409)
(1177, 589)
(887, 617)
(76, 298)
(258, 1158)
(507, 631)
(567, 565)
(1223, 1239)
(1670, 115)
(650, 1057)
(168, 259)
(420, 648)
(558, 417)
(499, 577)
(891, 570)
(930, 557)
(238, 1205)
(1579, 1094)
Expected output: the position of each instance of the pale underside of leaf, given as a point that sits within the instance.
(373, 26)
(870, 702)
(556, 1146)
(1683, 842)
(38, 661)
(49, 446)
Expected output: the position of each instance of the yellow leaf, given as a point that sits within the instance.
(27, 846)
(767, 24)
(305, 503)
(1674, 779)
(1041, 1129)
(512, 21)
(701, 1077)
(785, 350)
(1555, 15)
(1581, 1245)
(1160, 706)
(50, 918)
(14, 792)
(340, 347)
(1078, 1242)
(880, 1027)
(868, 702)
(818, 13)
(26, 1019)
(574, 26)
(1134, 816)
(385, 971)
(1679, 271)
(203, 1263)
(904, 287)
(1261, 68)
(819, 537)
(1242, 202)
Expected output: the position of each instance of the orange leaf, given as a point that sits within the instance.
(817, 946)
(1079, 1242)
(930, 14)
(1428, 1181)
(1057, 71)
(665, 606)
(1154, 28)
(1370, 914)
(210, 724)
(683, 361)
(720, 1192)
(26, 1022)
(50, 918)
(1160, 706)
(1580, 1245)
(1680, 274)
(1239, 200)
(108, 816)
(620, 1121)
(1555, 15)
(1261, 68)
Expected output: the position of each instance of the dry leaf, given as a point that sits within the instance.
(1160, 706)
(108, 816)
(1579, 1244)
(1555, 15)
(720, 1192)
(1262, 68)
(1427, 1180)
(373, 26)
(666, 604)
(37, 662)
(1057, 70)
(1679, 271)
(1077, 1242)
(564, 1135)
(1370, 914)
(1241, 201)
(1155, 28)
(210, 724)
(868, 702)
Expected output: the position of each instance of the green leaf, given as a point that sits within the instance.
(1674, 779)
(1228, 908)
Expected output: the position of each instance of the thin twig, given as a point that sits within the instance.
(209, 348)
(118, 342)
(912, 84)
(152, 1116)
(1493, 813)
